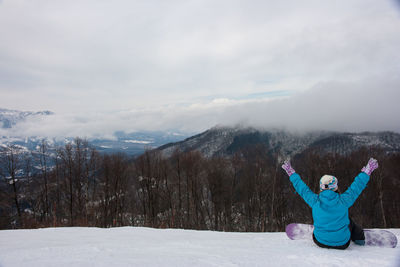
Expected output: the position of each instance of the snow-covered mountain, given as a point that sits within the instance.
(228, 140)
(9, 118)
(131, 143)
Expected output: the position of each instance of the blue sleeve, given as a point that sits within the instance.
(304, 191)
(355, 189)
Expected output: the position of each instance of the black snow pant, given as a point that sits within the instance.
(357, 233)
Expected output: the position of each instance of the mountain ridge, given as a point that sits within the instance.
(216, 141)
(223, 141)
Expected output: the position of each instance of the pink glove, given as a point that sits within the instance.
(288, 168)
(371, 166)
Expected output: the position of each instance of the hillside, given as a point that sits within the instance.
(131, 246)
(228, 140)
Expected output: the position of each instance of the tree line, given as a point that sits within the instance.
(248, 191)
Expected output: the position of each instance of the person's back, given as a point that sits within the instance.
(332, 226)
(331, 219)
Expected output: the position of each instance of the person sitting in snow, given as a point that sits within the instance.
(333, 227)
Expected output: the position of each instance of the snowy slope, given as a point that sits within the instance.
(130, 246)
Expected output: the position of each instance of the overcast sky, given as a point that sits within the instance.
(129, 65)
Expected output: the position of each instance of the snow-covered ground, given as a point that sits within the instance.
(131, 246)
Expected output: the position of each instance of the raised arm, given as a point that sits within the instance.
(301, 188)
(359, 183)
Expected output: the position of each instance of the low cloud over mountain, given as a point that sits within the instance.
(359, 106)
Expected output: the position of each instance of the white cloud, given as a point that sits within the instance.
(99, 55)
(92, 58)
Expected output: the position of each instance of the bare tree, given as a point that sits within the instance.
(66, 166)
(43, 159)
(12, 165)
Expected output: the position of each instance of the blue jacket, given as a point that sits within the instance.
(330, 210)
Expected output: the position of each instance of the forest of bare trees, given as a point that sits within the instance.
(248, 191)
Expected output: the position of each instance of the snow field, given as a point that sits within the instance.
(137, 246)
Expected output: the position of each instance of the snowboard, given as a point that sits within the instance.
(373, 237)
